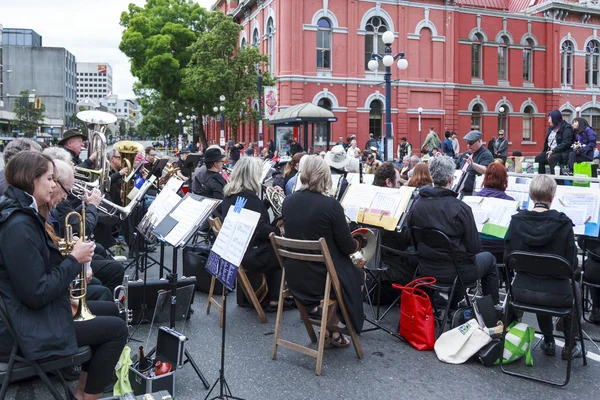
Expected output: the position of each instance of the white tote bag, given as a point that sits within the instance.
(459, 344)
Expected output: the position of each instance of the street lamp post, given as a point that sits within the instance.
(578, 111)
(388, 59)
(193, 118)
(180, 121)
(420, 111)
(221, 108)
(260, 121)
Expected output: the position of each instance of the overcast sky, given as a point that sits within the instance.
(89, 29)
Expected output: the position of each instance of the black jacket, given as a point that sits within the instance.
(87, 163)
(564, 139)
(438, 208)
(114, 191)
(65, 207)
(211, 185)
(34, 282)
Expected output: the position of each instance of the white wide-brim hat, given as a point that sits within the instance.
(337, 158)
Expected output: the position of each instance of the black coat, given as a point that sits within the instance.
(65, 207)
(34, 282)
(211, 185)
(87, 163)
(114, 192)
(564, 139)
(311, 216)
(259, 252)
(438, 208)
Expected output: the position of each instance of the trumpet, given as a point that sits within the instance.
(78, 288)
(121, 300)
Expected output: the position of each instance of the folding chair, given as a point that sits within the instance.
(543, 265)
(436, 239)
(18, 368)
(587, 243)
(311, 251)
(255, 296)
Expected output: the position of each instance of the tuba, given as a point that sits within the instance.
(128, 150)
(121, 297)
(78, 289)
(361, 257)
(100, 171)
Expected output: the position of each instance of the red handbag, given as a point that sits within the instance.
(417, 324)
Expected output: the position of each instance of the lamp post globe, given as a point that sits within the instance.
(420, 110)
(180, 114)
(388, 37)
(222, 108)
(388, 60)
(215, 109)
(373, 65)
(501, 109)
(222, 98)
(402, 63)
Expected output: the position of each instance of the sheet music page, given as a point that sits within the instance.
(359, 195)
(580, 204)
(577, 215)
(353, 178)
(489, 210)
(481, 216)
(368, 179)
(162, 205)
(586, 203)
(187, 215)
(521, 197)
(386, 204)
(351, 212)
(173, 184)
(235, 235)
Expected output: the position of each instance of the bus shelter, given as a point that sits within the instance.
(308, 124)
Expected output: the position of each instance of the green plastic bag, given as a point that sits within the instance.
(517, 343)
(582, 169)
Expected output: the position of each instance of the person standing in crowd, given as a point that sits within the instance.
(586, 138)
(371, 142)
(439, 209)
(404, 149)
(547, 231)
(212, 182)
(310, 214)
(295, 147)
(353, 149)
(475, 160)
(72, 141)
(12, 148)
(431, 141)
(490, 144)
(500, 149)
(557, 144)
(234, 153)
(455, 144)
(447, 146)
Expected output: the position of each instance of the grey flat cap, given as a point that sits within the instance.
(473, 135)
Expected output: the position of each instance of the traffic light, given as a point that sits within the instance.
(134, 114)
(37, 103)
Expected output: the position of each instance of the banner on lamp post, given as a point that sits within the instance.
(271, 105)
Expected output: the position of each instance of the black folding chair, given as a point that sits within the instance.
(436, 239)
(18, 368)
(589, 246)
(543, 265)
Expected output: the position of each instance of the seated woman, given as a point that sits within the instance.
(586, 138)
(592, 274)
(260, 256)
(495, 182)
(35, 277)
(557, 145)
(310, 214)
(438, 208)
(420, 177)
(544, 231)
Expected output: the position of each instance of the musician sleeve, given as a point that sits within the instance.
(37, 284)
(341, 233)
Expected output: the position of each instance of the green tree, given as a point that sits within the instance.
(80, 124)
(29, 119)
(132, 131)
(122, 128)
(218, 67)
(159, 113)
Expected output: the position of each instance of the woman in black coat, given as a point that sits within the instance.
(35, 278)
(260, 256)
(557, 144)
(310, 214)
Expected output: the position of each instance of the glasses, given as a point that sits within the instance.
(61, 186)
(151, 155)
(118, 157)
(501, 134)
(471, 142)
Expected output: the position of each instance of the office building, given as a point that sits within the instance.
(94, 80)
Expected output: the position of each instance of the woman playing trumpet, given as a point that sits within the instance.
(35, 278)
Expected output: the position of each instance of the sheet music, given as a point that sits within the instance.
(335, 182)
(235, 235)
(188, 214)
(351, 212)
(368, 179)
(481, 217)
(489, 210)
(173, 184)
(162, 205)
(385, 204)
(353, 178)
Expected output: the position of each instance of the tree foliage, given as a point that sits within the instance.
(159, 113)
(29, 119)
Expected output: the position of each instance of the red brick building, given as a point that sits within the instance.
(486, 64)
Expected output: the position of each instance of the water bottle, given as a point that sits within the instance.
(119, 249)
(557, 170)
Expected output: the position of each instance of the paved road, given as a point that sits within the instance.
(390, 370)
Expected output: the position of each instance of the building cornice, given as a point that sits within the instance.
(559, 5)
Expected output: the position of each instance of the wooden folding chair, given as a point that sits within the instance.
(319, 252)
(256, 297)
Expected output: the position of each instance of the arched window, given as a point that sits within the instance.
(528, 61)
(375, 28)
(324, 44)
(527, 122)
(592, 51)
(503, 58)
(255, 38)
(244, 43)
(566, 63)
(476, 56)
(503, 120)
(325, 103)
(476, 117)
(320, 141)
(375, 118)
(567, 115)
(592, 115)
(271, 45)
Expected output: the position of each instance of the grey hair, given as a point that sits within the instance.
(62, 170)
(316, 175)
(245, 176)
(406, 158)
(542, 189)
(17, 145)
(58, 153)
(414, 160)
(441, 169)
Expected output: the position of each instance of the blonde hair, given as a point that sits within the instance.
(245, 176)
(316, 175)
